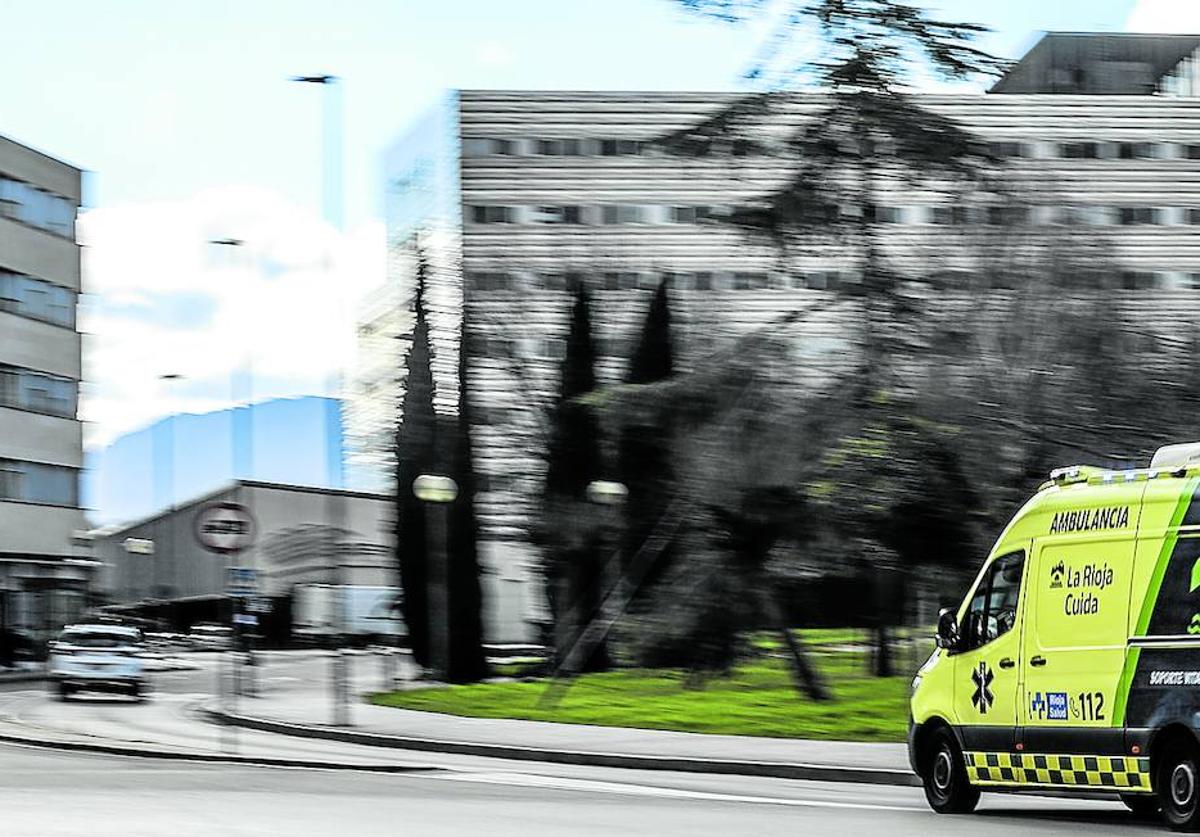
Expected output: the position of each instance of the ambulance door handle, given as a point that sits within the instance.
(1039, 660)
(1007, 662)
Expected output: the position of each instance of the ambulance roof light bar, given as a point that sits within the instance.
(1176, 457)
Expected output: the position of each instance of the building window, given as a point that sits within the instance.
(1192, 152)
(619, 148)
(1004, 216)
(750, 281)
(683, 214)
(561, 147)
(1139, 215)
(620, 280)
(1139, 280)
(1191, 215)
(951, 215)
(621, 213)
(492, 281)
(37, 299)
(558, 215)
(492, 214)
(33, 482)
(38, 392)
(1079, 150)
(1138, 150)
(887, 215)
(20, 201)
(1007, 148)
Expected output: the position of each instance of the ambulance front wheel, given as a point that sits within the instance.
(1178, 785)
(945, 777)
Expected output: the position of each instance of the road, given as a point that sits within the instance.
(46, 792)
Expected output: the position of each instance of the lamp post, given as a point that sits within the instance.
(438, 492)
(331, 200)
(611, 496)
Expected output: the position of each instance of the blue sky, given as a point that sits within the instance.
(181, 113)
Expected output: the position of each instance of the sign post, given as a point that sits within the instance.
(227, 528)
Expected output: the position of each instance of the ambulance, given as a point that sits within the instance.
(1073, 663)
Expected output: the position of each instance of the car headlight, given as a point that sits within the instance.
(916, 683)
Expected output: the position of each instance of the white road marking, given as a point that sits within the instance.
(588, 785)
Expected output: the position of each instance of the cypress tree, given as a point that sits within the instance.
(574, 568)
(644, 451)
(467, 661)
(416, 435)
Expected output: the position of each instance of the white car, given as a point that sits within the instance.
(101, 658)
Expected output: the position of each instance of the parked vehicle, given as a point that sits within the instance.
(1074, 661)
(97, 658)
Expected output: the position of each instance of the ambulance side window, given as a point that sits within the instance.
(993, 609)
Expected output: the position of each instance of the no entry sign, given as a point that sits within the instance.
(226, 528)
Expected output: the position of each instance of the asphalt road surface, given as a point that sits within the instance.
(46, 792)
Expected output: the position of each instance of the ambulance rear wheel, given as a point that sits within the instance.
(945, 777)
(1178, 786)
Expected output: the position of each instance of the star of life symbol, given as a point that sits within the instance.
(1038, 706)
(983, 697)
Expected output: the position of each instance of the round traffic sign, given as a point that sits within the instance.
(224, 527)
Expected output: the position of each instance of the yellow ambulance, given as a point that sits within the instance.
(1074, 661)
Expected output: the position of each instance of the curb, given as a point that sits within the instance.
(212, 758)
(775, 770)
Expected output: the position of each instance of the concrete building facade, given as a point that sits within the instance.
(512, 195)
(44, 570)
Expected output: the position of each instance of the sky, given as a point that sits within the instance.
(182, 116)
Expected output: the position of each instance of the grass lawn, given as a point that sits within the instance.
(757, 699)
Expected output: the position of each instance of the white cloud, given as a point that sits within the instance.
(1180, 16)
(161, 299)
(494, 54)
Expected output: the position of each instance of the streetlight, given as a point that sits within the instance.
(331, 193)
(611, 496)
(438, 492)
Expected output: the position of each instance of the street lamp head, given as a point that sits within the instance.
(607, 492)
(227, 242)
(430, 488)
(325, 79)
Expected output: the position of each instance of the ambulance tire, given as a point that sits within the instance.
(1178, 785)
(1144, 806)
(945, 777)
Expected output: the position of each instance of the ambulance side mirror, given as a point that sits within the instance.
(947, 635)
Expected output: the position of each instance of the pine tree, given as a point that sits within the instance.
(866, 136)
(574, 557)
(644, 455)
(467, 661)
(416, 437)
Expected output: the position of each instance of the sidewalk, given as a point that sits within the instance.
(308, 715)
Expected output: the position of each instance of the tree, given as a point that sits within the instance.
(416, 439)
(644, 451)
(467, 661)
(570, 530)
(861, 137)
